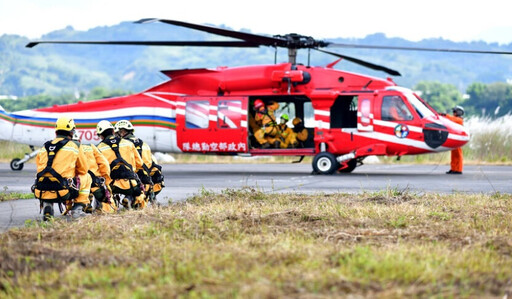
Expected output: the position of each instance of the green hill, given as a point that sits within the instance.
(57, 69)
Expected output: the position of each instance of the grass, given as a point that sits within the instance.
(246, 243)
(5, 195)
(10, 150)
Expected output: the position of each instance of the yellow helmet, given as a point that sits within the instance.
(65, 123)
(124, 124)
(103, 126)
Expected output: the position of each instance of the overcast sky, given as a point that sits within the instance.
(490, 20)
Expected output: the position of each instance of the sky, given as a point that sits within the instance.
(455, 20)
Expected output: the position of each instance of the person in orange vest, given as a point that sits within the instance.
(61, 168)
(457, 159)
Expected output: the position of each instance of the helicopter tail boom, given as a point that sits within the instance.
(7, 122)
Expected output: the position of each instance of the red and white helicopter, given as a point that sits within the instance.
(348, 116)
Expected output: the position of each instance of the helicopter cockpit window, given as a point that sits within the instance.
(422, 109)
(197, 114)
(229, 114)
(394, 109)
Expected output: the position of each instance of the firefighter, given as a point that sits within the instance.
(288, 136)
(60, 165)
(268, 134)
(457, 159)
(125, 129)
(98, 169)
(300, 130)
(124, 161)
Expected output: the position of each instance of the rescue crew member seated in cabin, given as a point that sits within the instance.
(457, 159)
(300, 131)
(268, 134)
(60, 165)
(124, 161)
(98, 169)
(150, 174)
(288, 136)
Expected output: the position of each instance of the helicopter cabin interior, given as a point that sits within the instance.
(344, 112)
(293, 112)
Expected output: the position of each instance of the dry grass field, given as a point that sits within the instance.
(249, 244)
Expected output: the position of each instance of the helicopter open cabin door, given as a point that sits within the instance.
(365, 113)
(212, 124)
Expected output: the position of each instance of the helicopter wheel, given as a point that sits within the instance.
(325, 163)
(351, 165)
(15, 165)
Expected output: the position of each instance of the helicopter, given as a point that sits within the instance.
(348, 116)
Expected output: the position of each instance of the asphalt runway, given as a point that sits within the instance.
(185, 180)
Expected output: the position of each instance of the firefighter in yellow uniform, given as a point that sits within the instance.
(268, 134)
(60, 165)
(301, 131)
(98, 169)
(124, 161)
(288, 136)
(125, 129)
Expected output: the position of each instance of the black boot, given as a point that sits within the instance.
(47, 211)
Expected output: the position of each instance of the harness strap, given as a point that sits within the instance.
(114, 145)
(52, 150)
(137, 142)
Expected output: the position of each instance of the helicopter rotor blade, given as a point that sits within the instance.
(364, 63)
(233, 44)
(249, 37)
(329, 44)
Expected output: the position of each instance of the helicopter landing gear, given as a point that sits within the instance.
(17, 164)
(351, 165)
(325, 163)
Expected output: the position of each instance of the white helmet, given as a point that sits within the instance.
(103, 126)
(458, 110)
(124, 124)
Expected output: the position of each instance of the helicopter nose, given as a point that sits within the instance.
(457, 135)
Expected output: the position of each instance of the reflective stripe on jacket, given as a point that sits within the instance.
(127, 151)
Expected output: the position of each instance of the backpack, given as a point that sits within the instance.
(119, 168)
(124, 180)
(144, 173)
(157, 177)
(49, 184)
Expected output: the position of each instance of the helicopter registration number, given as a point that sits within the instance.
(87, 135)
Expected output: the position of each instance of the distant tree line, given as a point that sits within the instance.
(44, 100)
(491, 100)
